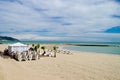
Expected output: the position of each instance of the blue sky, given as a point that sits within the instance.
(63, 20)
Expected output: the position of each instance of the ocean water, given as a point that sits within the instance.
(109, 48)
(96, 49)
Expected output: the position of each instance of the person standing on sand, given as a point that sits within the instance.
(55, 50)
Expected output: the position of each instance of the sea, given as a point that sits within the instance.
(95, 47)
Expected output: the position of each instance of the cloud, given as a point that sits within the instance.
(59, 19)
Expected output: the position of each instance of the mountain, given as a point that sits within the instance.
(6, 38)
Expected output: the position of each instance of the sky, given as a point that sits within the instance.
(61, 20)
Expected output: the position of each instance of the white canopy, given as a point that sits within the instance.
(17, 47)
(18, 44)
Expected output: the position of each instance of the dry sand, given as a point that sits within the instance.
(78, 66)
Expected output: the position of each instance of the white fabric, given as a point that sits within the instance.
(18, 44)
(17, 47)
(48, 54)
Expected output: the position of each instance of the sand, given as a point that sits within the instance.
(76, 66)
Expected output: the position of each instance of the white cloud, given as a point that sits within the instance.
(85, 17)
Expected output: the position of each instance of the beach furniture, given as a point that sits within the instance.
(34, 55)
(30, 55)
(46, 53)
(24, 55)
(18, 56)
(50, 54)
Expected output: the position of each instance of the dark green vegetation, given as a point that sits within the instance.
(36, 47)
(97, 45)
(6, 38)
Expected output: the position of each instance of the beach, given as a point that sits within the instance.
(75, 66)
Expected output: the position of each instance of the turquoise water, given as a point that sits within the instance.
(97, 49)
(112, 48)
(62, 42)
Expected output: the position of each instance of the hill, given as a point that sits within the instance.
(6, 38)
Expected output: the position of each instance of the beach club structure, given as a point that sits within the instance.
(21, 52)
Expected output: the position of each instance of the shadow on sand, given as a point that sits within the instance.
(4, 55)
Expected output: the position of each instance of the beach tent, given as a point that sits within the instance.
(17, 47)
